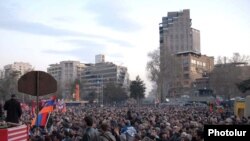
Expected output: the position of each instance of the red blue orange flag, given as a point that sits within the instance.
(44, 112)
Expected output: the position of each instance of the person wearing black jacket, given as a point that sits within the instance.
(13, 108)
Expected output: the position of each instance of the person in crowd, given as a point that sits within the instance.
(115, 130)
(105, 134)
(13, 108)
(91, 134)
(165, 123)
(128, 132)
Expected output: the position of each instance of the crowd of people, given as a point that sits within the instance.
(168, 123)
(124, 123)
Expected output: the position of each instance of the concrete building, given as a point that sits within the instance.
(180, 40)
(66, 72)
(19, 67)
(100, 58)
(193, 67)
(98, 75)
(177, 35)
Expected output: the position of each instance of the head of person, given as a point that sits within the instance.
(88, 120)
(127, 123)
(13, 96)
(105, 127)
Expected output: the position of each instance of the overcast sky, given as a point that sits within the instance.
(44, 32)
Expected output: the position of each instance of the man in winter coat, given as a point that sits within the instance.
(14, 110)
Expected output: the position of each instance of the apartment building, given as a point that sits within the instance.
(98, 75)
(66, 73)
(19, 68)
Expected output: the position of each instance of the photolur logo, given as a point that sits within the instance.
(226, 132)
(214, 132)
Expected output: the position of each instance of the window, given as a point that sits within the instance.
(193, 61)
(177, 48)
(171, 36)
(198, 63)
(182, 47)
(193, 69)
(186, 68)
(186, 82)
(186, 76)
(185, 61)
(204, 64)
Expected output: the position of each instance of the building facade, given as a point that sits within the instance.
(180, 40)
(177, 35)
(100, 58)
(66, 73)
(194, 66)
(20, 68)
(97, 76)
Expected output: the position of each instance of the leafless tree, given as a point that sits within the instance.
(153, 68)
(164, 70)
(228, 73)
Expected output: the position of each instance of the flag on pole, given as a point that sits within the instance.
(42, 119)
(44, 112)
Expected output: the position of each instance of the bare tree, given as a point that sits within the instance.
(153, 69)
(228, 73)
(219, 60)
(223, 79)
(237, 58)
(153, 66)
(164, 69)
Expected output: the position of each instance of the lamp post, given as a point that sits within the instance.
(100, 78)
(102, 89)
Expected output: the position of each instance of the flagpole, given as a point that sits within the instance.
(37, 105)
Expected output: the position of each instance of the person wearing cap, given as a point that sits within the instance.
(13, 108)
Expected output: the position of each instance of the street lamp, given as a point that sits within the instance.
(100, 78)
(102, 89)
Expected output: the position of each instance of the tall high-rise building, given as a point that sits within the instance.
(66, 72)
(182, 42)
(177, 35)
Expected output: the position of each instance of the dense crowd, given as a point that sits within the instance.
(167, 123)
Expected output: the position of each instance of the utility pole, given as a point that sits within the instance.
(100, 82)
(102, 89)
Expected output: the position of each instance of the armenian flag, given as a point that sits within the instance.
(43, 114)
